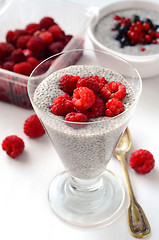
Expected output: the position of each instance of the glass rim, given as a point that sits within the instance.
(106, 118)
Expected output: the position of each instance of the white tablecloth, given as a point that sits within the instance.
(24, 208)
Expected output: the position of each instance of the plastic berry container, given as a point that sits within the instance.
(72, 18)
(146, 60)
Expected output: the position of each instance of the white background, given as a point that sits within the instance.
(24, 208)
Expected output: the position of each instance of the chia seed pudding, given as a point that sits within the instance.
(84, 148)
(104, 34)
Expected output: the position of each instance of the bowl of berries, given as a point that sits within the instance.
(129, 29)
(26, 41)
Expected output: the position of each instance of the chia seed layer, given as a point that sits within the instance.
(84, 148)
(104, 34)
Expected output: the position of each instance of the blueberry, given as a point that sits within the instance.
(150, 22)
(136, 18)
(118, 36)
(116, 26)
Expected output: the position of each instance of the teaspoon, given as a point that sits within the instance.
(138, 223)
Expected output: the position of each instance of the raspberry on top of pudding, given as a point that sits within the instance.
(91, 96)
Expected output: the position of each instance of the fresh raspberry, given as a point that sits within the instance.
(24, 68)
(18, 56)
(46, 22)
(68, 83)
(12, 36)
(13, 146)
(8, 65)
(83, 98)
(142, 161)
(32, 28)
(33, 61)
(76, 117)
(47, 37)
(55, 47)
(22, 41)
(33, 127)
(113, 90)
(89, 82)
(114, 107)
(6, 49)
(36, 44)
(97, 110)
(105, 93)
(62, 105)
(55, 30)
(67, 38)
(102, 81)
(40, 56)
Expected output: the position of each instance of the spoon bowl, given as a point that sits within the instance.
(124, 143)
(138, 223)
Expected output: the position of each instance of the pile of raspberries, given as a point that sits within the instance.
(25, 48)
(88, 97)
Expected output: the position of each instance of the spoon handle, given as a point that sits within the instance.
(138, 223)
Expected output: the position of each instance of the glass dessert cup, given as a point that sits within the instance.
(86, 194)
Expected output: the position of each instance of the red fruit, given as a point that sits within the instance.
(47, 37)
(46, 22)
(114, 107)
(12, 37)
(102, 81)
(68, 83)
(20, 88)
(18, 56)
(67, 38)
(36, 44)
(83, 98)
(33, 127)
(142, 161)
(55, 30)
(113, 90)
(6, 49)
(24, 68)
(62, 105)
(97, 110)
(146, 26)
(89, 82)
(33, 61)
(13, 146)
(27, 53)
(22, 41)
(116, 17)
(8, 65)
(76, 117)
(32, 28)
(55, 47)
(148, 38)
(105, 93)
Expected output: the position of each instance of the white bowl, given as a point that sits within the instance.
(147, 65)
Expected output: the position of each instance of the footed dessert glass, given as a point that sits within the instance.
(86, 194)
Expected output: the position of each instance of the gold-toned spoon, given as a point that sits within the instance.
(138, 223)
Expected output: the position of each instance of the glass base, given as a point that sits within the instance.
(87, 202)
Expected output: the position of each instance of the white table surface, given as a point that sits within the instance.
(24, 208)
